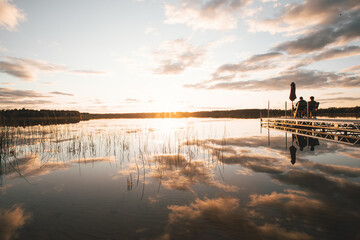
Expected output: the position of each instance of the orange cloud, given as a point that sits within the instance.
(176, 172)
(224, 216)
(11, 220)
(10, 15)
(31, 166)
(213, 14)
(176, 56)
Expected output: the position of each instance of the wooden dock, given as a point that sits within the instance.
(338, 130)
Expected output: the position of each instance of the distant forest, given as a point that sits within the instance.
(25, 117)
(241, 113)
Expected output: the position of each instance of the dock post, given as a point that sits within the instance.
(269, 109)
(261, 124)
(285, 108)
(307, 109)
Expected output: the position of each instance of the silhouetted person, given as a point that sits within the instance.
(301, 112)
(301, 142)
(301, 100)
(293, 154)
(312, 143)
(313, 105)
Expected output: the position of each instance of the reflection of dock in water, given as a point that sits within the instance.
(336, 130)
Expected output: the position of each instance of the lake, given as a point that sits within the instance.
(175, 179)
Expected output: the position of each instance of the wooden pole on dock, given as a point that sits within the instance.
(260, 123)
(269, 109)
(307, 109)
(285, 108)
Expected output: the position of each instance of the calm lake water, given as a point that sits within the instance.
(176, 179)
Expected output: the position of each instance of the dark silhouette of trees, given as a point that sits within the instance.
(25, 117)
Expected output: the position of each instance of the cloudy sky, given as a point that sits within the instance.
(173, 55)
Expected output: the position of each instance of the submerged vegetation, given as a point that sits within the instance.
(56, 147)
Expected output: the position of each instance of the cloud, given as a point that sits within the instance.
(315, 13)
(61, 93)
(252, 11)
(11, 220)
(339, 99)
(176, 56)
(86, 72)
(343, 31)
(223, 40)
(23, 103)
(355, 68)
(27, 69)
(304, 208)
(151, 31)
(329, 54)
(290, 201)
(176, 172)
(213, 14)
(306, 79)
(254, 63)
(337, 188)
(19, 94)
(334, 170)
(21, 98)
(225, 217)
(32, 166)
(10, 15)
(338, 53)
(289, 55)
(132, 100)
(2, 49)
(354, 154)
(331, 191)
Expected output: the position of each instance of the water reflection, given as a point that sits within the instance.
(12, 220)
(138, 179)
(325, 197)
(301, 142)
(33, 166)
(222, 218)
(177, 172)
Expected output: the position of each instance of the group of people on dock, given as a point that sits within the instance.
(311, 100)
(301, 108)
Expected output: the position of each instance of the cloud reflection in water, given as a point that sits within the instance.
(11, 220)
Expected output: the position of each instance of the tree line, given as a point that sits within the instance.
(240, 113)
(29, 113)
(29, 117)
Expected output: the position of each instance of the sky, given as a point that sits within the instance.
(111, 56)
